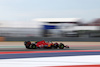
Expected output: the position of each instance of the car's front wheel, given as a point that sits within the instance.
(61, 46)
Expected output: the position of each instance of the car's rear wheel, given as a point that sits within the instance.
(61, 46)
(33, 46)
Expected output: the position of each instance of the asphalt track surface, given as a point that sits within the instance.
(10, 50)
(19, 46)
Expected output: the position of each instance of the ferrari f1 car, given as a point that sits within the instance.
(44, 44)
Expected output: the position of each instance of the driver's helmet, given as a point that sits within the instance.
(50, 41)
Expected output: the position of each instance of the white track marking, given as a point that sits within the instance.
(51, 61)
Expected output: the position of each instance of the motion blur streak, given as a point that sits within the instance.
(77, 66)
(58, 51)
(50, 27)
(52, 61)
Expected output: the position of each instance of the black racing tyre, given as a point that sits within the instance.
(61, 46)
(33, 46)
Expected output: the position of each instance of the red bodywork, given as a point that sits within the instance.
(42, 43)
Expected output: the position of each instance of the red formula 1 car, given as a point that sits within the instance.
(44, 44)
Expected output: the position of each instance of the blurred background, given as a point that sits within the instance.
(49, 18)
(51, 27)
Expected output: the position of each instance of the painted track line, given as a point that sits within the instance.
(34, 55)
(22, 52)
(76, 66)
